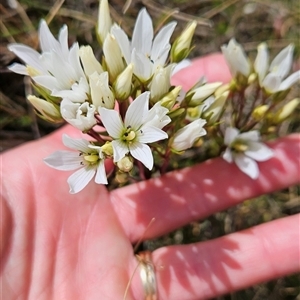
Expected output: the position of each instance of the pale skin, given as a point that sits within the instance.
(61, 246)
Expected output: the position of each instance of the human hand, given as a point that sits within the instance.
(61, 246)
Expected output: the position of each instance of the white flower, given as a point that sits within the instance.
(185, 137)
(245, 149)
(80, 115)
(236, 59)
(144, 52)
(88, 159)
(132, 134)
(57, 68)
(272, 77)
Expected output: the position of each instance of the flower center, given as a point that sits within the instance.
(239, 146)
(91, 158)
(129, 135)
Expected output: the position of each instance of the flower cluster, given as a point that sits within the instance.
(135, 117)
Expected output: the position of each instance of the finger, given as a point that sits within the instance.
(232, 262)
(183, 196)
(212, 66)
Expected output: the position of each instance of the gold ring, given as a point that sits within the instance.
(147, 273)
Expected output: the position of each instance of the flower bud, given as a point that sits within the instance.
(182, 45)
(160, 83)
(236, 59)
(213, 112)
(48, 111)
(185, 137)
(259, 112)
(169, 99)
(89, 61)
(202, 92)
(107, 149)
(113, 57)
(104, 20)
(100, 91)
(123, 83)
(283, 113)
(125, 164)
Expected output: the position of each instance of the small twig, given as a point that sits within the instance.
(178, 15)
(216, 10)
(54, 10)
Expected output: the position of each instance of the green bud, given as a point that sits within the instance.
(46, 110)
(182, 45)
(169, 99)
(176, 113)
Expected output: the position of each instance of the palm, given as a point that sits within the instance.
(62, 246)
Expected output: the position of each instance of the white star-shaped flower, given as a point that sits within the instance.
(135, 132)
(143, 51)
(88, 158)
(245, 149)
(273, 77)
(57, 67)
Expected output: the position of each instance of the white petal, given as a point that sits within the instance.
(63, 40)
(272, 82)
(123, 42)
(47, 40)
(64, 160)
(142, 66)
(230, 135)
(227, 155)
(27, 54)
(74, 61)
(120, 149)
(47, 81)
(142, 153)
(259, 151)
(162, 41)
(18, 68)
(181, 65)
(262, 61)
(76, 144)
(150, 134)
(247, 165)
(101, 175)
(80, 179)
(282, 63)
(288, 82)
(111, 121)
(137, 111)
(253, 135)
(143, 33)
